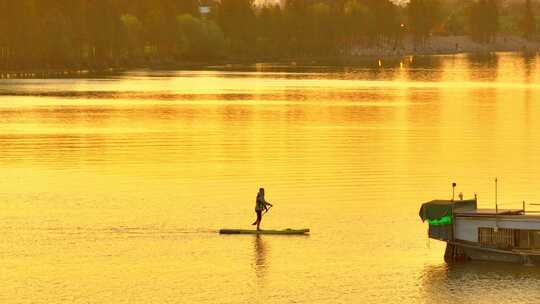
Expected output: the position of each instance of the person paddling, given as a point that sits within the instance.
(260, 205)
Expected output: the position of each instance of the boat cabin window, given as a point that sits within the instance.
(502, 238)
(528, 239)
(509, 238)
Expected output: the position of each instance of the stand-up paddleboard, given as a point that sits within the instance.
(285, 231)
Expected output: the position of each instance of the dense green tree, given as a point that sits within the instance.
(199, 39)
(358, 22)
(161, 31)
(133, 37)
(103, 33)
(96, 34)
(56, 38)
(296, 22)
(528, 22)
(484, 20)
(238, 20)
(454, 17)
(322, 34)
(423, 17)
(387, 21)
(190, 7)
(271, 31)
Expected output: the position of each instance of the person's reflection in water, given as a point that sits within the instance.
(260, 264)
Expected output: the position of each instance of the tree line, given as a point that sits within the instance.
(96, 34)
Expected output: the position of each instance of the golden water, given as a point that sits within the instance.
(112, 189)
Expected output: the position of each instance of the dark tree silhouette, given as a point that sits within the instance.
(423, 17)
(99, 34)
(528, 22)
(484, 20)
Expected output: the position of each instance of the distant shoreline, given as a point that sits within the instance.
(436, 45)
(445, 45)
(58, 73)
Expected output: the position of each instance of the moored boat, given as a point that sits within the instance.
(504, 235)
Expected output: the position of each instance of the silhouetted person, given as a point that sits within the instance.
(260, 205)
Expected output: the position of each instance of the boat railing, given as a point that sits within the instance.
(531, 211)
(524, 210)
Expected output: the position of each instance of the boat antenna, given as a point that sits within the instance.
(496, 202)
(453, 190)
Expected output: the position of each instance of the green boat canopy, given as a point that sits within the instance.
(435, 210)
(443, 221)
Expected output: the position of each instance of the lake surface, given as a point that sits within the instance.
(112, 189)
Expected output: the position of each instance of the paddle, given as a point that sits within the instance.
(268, 209)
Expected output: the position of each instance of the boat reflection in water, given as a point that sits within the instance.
(479, 282)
